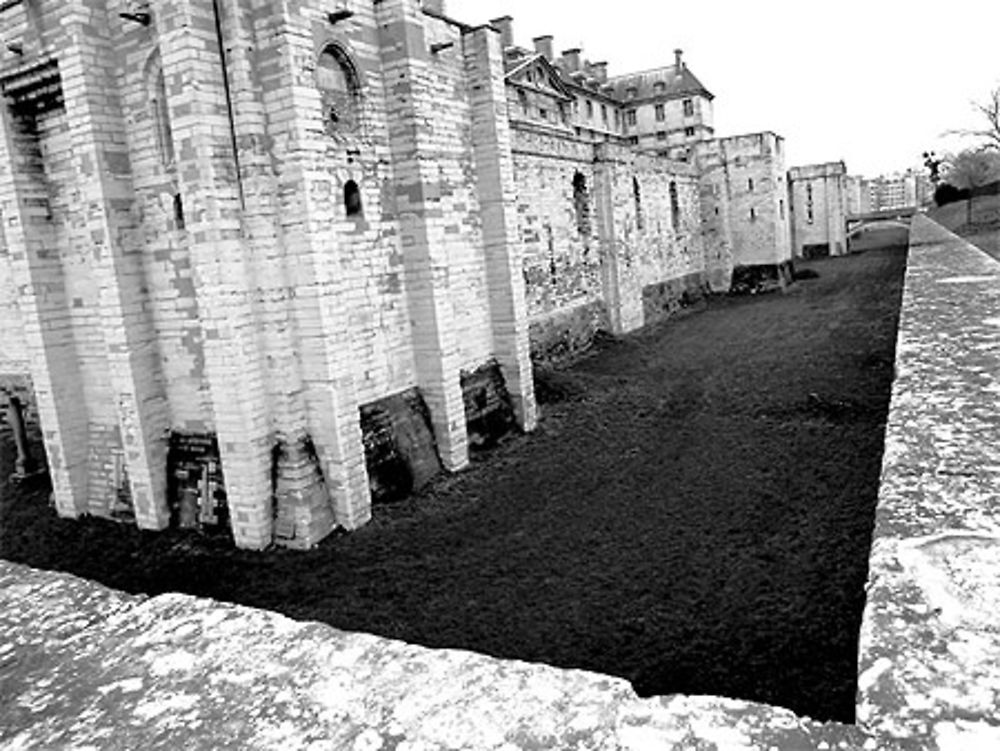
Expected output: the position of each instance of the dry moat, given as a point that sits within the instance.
(694, 512)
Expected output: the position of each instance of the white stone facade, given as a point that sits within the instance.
(230, 227)
(820, 199)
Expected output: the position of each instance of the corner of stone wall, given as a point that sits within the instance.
(929, 652)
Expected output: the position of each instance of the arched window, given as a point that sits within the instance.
(156, 95)
(352, 199)
(338, 84)
(675, 208)
(637, 197)
(581, 204)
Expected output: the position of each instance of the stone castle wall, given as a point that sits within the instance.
(612, 239)
(232, 229)
(751, 170)
(819, 201)
(179, 229)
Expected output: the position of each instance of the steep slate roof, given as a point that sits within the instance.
(685, 84)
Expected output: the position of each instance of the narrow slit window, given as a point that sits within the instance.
(675, 208)
(178, 211)
(581, 203)
(637, 196)
(156, 91)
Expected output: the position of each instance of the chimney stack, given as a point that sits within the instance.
(505, 25)
(543, 46)
(571, 59)
(678, 63)
(600, 71)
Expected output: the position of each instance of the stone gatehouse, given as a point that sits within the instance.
(264, 261)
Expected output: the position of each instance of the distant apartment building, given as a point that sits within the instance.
(858, 196)
(820, 196)
(899, 190)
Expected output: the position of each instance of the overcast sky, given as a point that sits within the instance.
(872, 82)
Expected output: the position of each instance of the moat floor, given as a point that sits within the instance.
(693, 514)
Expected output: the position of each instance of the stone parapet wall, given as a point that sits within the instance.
(929, 662)
(84, 666)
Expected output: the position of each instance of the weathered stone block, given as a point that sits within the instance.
(400, 450)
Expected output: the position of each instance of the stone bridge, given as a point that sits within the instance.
(855, 224)
(82, 666)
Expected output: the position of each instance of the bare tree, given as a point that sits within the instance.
(972, 168)
(990, 112)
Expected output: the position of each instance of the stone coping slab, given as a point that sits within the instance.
(88, 668)
(929, 655)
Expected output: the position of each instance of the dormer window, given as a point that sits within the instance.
(631, 92)
(659, 88)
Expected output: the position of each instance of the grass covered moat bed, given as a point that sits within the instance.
(693, 514)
